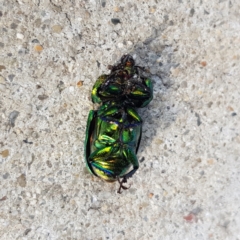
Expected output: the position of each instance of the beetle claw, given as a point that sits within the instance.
(124, 180)
(110, 67)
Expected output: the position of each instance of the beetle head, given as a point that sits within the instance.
(127, 60)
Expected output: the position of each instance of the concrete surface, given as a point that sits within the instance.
(187, 186)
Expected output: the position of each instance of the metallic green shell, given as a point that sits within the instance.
(112, 143)
(113, 132)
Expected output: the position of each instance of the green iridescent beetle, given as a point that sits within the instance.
(114, 131)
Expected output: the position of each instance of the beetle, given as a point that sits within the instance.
(113, 132)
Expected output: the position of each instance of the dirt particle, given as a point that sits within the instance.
(2, 67)
(3, 198)
(38, 48)
(5, 153)
(12, 117)
(158, 141)
(198, 119)
(27, 231)
(210, 104)
(13, 26)
(230, 109)
(199, 160)
(184, 84)
(56, 29)
(42, 97)
(22, 180)
(210, 161)
(152, 10)
(79, 83)
(189, 218)
(117, 9)
(103, 4)
(115, 21)
(192, 11)
(49, 164)
(150, 195)
(11, 77)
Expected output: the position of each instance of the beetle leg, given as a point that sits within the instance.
(109, 111)
(132, 158)
(132, 112)
(121, 186)
(95, 95)
(141, 68)
(88, 140)
(131, 173)
(148, 83)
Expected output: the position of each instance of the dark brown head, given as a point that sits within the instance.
(127, 60)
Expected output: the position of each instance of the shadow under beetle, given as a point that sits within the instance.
(114, 131)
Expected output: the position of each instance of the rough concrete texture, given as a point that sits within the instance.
(187, 186)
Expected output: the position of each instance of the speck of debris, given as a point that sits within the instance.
(196, 210)
(13, 26)
(186, 132)
(189, 218)
(198, 119)
(61, 86)
(12, 117)
(49, 164)
(79, 83)
(115, 21)
(204, 63)
(103, 4)
(42, 97)
(184, 84)
(150, 195)
(11, 77)
(38, 48)
(209, 104)
(234, 114)
(26, 141)
(3, 198)
(206, 12)
(5, 153)
(57, 28)
(192, 11)
(98, 64)
(193, 201)
(27, 231)
(35, 41)
(6, 175)
(22, 180)
(2, 67)
(142, 159)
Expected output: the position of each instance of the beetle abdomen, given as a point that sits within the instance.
(113, 145)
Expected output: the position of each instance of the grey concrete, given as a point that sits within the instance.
(187, 186)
